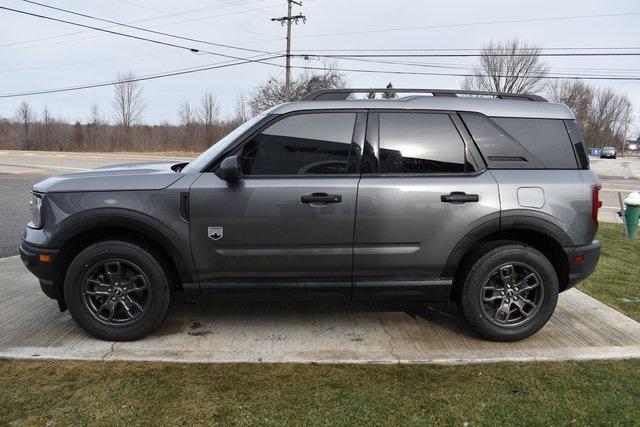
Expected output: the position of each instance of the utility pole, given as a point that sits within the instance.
(288, 20)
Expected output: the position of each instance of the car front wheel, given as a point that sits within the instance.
(116, 290)
(509, 292)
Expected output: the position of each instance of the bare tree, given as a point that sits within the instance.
(46, 125)
(209, 114)
(95, 117)
(209, 109)
(240, 110)
(25, 116)
(604, 115)
(577, 95)
(272, 92)
(186, 114)
(128, 102)
(513, 66)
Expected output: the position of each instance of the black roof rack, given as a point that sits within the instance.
(343, 94)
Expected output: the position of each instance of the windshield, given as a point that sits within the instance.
(205, 158)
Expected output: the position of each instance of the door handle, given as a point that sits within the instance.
(321, 198)
(459, 197)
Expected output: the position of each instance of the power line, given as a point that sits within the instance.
(465, 24)
(462, 24)
(416, 73)
(264, 61)
(173, 73)
(583, 72)
(135, 27)
(88, 62)
(454, 49)
(463, 55)
(204, 18)
(136, 21)
(188, 48)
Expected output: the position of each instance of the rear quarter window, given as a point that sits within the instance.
(521, 143)
(547, 139)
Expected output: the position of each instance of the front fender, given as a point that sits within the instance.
(173, 237)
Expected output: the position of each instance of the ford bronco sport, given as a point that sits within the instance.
(484, 199)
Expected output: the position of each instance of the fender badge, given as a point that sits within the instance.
(215, 233)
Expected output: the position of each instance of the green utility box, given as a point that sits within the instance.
(632, 213)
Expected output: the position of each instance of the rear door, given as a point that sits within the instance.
(289, 222)
(422, 190)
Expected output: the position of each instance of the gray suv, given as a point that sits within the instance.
(484, 199)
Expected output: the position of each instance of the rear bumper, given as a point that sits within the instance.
(30, 255)
(582, 261)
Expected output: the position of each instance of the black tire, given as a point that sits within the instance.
(486, 300)
(143, 291)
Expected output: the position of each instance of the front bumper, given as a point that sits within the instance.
(582, 261)
(43, 270)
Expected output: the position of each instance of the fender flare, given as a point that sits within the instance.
(179, 250)
(516, 220)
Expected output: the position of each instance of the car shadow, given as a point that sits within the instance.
(196, 315)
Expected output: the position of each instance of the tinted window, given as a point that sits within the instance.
(547, 139)
(302, 144)
(578, 143)
(498, 148)
(420, 143)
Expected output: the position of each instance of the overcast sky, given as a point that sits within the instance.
(37, 54)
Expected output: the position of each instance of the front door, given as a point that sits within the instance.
(288, 223)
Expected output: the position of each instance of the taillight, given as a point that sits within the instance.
(596, 203)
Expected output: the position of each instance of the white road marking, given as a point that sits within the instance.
(628, 190)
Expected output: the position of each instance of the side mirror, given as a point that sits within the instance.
(229, 169)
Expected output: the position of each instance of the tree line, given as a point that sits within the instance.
(604, 114)
(200, 125)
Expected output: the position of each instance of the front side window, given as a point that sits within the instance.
(420, 143)
(302, 144)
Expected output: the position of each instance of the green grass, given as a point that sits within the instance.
(616, 281)
(34, 393)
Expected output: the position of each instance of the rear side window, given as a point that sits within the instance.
(303, 144)
(547, 139)
(420, 143)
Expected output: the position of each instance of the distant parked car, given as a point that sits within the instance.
(608, 153)
(633, 146)
(595, 152)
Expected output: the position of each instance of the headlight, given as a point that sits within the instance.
(35, 206)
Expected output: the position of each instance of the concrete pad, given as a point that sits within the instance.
(31, 327)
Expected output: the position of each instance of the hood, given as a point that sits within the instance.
(138, 176)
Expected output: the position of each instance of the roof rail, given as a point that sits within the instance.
(343, 94)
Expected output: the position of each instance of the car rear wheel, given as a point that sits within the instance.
(509, 292)
(117, 291)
